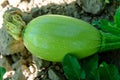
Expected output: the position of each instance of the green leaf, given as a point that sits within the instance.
(117, 17)
(109, 27)
(107, 1)
(90, 65)
(109, 38)
(2, 72)
(108, 72)
(72, 68)
(94, 75)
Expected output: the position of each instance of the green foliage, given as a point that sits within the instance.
(110, 72)
(108, 26)
(117, 18)
(73, 70)
(90, 66)
(2, 72)
(89, 69)
(110, 32)
(107, 1)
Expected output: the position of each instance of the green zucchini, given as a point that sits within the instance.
(51, 37)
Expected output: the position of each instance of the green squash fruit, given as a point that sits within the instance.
(51, 37)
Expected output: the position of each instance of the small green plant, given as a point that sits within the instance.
(89, 69)
(2, 72)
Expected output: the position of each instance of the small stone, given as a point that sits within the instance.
(8, 45)
(5, 42)
(35, 11)
(18, 75)
(14, 3)
(57, 67)
(53, 75)
(92, 6)
(23, 6)
(4, 4)
(27, 17)
(5, 63)
(37, 61)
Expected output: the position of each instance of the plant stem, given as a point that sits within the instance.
(109, 41)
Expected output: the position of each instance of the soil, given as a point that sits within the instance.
(20, 63)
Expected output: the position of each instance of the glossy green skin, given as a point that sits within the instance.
(50, 37)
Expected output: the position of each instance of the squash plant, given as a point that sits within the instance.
(51, 37)
(89, 69)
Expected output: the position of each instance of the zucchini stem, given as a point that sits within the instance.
(109, 41)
